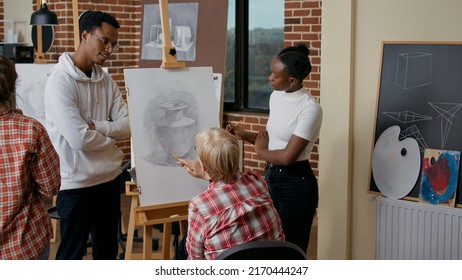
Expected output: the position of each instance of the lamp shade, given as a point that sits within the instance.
(43, 16)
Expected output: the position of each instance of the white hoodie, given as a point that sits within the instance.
(87, 157)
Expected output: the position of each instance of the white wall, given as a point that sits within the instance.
(352, 32)
(335, 139)
(20, 10)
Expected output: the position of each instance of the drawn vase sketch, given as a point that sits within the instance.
(175, 131)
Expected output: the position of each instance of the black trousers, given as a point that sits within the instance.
(93, 210)
(294, 191)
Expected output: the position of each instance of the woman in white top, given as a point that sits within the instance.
(293, 128)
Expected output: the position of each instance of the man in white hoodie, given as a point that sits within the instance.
(84, 115)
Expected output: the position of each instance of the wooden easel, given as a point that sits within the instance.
(168, 51)
(75, 21)
(147, 216)
(166, 214)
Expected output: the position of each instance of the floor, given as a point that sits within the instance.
(137, 246)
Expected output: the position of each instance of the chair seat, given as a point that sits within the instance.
(53, 212)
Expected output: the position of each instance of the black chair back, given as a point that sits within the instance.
(264, 250)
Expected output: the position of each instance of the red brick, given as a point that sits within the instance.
(301, 13)
(301, 28)
(316, 12)
(311, 20)
(292, 36)
(310, 37)
(251, 163)
(292, 21)
(310, 4)
(258, 128)
(263, 121)
(316, 28)
(292, 5)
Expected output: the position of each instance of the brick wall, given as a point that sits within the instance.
(302, 25)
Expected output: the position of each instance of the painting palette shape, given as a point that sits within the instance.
(395, 163)
(440, 173)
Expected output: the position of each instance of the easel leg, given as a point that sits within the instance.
(166, 241)
(147, 242)
(131, 228)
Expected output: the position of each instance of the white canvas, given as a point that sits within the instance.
(30, 89)
(167, 108)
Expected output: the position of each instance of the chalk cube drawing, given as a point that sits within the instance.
(413, 69)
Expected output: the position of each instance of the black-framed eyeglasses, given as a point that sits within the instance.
(114, 46)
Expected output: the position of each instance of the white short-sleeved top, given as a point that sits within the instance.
(297, 113)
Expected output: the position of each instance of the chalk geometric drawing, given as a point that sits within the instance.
(447, 113)
(414, 132)
(407, 116)
(413, 70)
(440, 173)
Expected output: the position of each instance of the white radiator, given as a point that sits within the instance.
(415, 231)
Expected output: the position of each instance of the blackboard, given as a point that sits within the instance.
(420, 90)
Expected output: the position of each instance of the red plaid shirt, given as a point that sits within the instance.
(226, 215)
(29, 171)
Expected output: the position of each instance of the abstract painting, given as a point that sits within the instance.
(167, 109)
(440, 172)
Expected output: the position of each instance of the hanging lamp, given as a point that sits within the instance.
(43, 16)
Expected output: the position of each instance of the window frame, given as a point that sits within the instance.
(241, 64)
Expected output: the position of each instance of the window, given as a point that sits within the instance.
(255, 36)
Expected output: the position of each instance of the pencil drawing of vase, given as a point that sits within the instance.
(175, 131)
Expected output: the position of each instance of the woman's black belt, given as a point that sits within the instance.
(296, 165)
